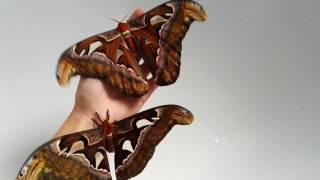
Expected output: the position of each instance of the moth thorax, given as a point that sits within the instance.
(123, 28)
(108, 128)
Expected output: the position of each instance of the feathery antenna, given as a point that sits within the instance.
(114, 20)
(124, 17)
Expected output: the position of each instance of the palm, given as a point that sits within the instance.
(94, 96)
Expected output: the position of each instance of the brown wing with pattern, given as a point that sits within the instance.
(136, 138)
(69, 157)
(102, 56)
(160, 40)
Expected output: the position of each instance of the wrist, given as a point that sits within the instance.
(75, 122)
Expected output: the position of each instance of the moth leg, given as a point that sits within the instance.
(107, 115)
(97, 120)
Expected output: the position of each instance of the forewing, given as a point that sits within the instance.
(160, 40)
(136, 137)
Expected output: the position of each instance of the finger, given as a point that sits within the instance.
(136, 13)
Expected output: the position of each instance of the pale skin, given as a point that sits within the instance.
(93, 95)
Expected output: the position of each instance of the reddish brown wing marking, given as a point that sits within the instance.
(143, 132)
(101, 56)
(156, 37)
(166, 26)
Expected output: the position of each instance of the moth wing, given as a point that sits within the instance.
(98, 57)
(68, 157)
(135, 138)
(160, 40)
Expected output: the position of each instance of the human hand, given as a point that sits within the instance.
(93, 95)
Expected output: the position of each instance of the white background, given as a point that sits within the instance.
(250, 75)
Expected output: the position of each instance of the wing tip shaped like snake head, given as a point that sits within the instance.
(188, 12)
(181, 115)
(64, 69)
(195, 11)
